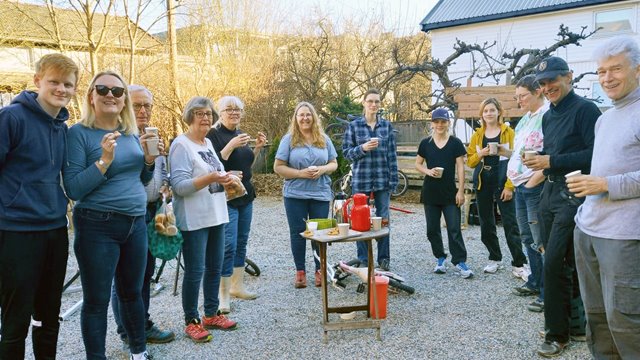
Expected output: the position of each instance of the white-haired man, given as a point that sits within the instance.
(607, 236)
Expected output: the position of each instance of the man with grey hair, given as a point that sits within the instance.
(607, 237)
(142, 102)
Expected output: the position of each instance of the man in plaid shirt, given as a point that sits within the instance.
(370, 145)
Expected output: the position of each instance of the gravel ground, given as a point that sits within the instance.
(447, 318)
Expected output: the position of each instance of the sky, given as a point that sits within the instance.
(400, 16)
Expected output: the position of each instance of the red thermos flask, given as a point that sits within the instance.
(360, 213)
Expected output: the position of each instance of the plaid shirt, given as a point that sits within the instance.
(373, 170)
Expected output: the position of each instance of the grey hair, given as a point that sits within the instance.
(226, 101)
(136, 88)
(616, 46)
(198, 102)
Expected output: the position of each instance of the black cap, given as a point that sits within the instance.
(551, 67)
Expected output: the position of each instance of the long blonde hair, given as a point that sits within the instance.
(126, 119)
(317, 134)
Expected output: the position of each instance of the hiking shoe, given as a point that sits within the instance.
(300, 280)
(524, 290)
(219, 322)
(551, 348)
(197, 332)
(384, 265)
(318, 280)
(536, 306)
(521, 272)
(493, 267)
(155, 335)
(464, 270)
(440, 268)
(145, 356)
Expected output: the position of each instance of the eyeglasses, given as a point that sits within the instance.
(234, 110)
(203, 114)
(147, 107)
(103, 90)
(520, 97)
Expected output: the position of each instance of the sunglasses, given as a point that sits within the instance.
(103, 90)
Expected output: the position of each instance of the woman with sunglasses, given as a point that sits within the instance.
(200, 206)
(231, 145)
(107, 167)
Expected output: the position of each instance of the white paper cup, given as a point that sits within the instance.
(376, 223)
(313, 167)
(493, 148)
(344, 229)
(573, 173)
(151, 130)
(440, 171)
(312, 226)
(152, 146)
(529, 154)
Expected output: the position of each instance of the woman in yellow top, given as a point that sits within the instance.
(488, 153)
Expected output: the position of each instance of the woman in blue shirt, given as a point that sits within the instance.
(305, 158)
(105, 173)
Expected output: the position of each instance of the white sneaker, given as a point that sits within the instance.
(464, 270)
(521, 272)
(493, 267)
(441, 267)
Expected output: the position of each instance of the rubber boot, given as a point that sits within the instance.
(237, 285)
(225, 300)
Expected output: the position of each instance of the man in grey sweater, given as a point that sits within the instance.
(607, 235)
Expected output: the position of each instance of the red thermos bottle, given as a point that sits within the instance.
(360, 214)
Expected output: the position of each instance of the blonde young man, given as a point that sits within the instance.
(34, 244)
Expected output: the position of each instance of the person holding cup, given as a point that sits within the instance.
(492, 186)
(305, 158)
(106, 169)
(439, 158)
(231, 145)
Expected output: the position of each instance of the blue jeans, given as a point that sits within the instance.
(434, 233)
(203, 252)
(297, 211)
(381, 199)
(236, 237)
(528, 215)
(108, 244)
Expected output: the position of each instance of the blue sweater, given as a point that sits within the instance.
(121, 188)
(32, 147)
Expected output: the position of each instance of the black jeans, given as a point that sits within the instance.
(560, 277)
(434, 233)
(485, 198)
(32, 270)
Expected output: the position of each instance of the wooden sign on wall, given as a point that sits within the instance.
(469, 99)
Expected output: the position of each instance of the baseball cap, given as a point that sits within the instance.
(550, 68)
(440, 113)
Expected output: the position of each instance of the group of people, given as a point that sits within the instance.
(577, 230)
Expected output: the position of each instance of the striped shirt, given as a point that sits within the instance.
(373, 170)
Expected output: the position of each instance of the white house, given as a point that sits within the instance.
(528, 24)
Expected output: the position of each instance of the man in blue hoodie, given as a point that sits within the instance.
(34, 244)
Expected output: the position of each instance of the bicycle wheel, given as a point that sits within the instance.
(403, 185)
(251, 268)
(401, 287)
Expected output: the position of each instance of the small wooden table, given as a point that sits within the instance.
(321, 237)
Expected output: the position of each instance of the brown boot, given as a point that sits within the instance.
(237, 285)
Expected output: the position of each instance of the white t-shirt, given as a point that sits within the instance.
(196, 209)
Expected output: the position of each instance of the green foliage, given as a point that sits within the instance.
(271, 157)
(343, 107)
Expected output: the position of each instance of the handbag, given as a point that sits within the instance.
(165, 239)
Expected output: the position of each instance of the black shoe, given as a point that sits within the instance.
(384, 265)
(536, 306)
(551, 348)
(157, 336)
(524, 290)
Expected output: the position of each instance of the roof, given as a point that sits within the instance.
(448, 13)
(31, 24)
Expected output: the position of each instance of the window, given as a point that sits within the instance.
(598, 94)
(614, 21)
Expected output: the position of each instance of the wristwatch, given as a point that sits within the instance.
(103, 164)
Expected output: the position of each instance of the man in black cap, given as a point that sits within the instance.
(568, 129)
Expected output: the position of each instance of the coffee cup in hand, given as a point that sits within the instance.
(493, 148)
(439, 172)
(573, 173)
(530, 154)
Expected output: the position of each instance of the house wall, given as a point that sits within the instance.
(535, 31)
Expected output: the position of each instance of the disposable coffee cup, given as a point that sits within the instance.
(312, 226)
(440, 171)
(344, 229)
(313, 167)
(376, 223)
(152, 146)
(151, 130)
(573, 173)
(374, 139)
(529, 154)
(493, 148)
